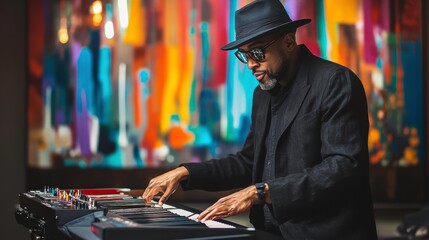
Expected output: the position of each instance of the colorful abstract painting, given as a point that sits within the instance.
(143, 83)
(381, 41)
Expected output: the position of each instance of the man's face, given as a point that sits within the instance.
(268, 70)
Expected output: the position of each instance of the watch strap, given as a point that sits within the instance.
(260, 190)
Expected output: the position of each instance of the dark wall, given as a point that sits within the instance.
(425, 26)
(12, 115)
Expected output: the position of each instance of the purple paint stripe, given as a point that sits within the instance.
(370, 48)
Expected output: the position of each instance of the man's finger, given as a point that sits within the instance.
(211, 215)
(149, 194)
(147, 197)
(208, 212)
(164, 197)
(204, 213)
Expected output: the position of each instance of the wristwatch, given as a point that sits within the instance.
(260, 189)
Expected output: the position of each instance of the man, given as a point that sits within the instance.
(304, 164)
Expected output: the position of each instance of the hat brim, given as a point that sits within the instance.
(284, 26)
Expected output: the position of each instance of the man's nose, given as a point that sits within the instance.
(251, 63)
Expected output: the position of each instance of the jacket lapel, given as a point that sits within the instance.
(298, 92)
(294, 100)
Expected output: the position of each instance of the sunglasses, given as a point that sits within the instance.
(257, 54)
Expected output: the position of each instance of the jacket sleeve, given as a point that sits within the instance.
(233, 171)
(343, 152)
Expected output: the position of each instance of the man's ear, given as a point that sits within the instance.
(289, 40)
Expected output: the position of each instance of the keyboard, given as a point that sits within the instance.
(166, 222)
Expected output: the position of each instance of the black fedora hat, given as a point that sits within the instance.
(260, 18)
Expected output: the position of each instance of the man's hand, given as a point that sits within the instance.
(166, 184)
(233, 204)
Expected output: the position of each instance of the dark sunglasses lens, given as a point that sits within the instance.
(241, 56)
(257, 54)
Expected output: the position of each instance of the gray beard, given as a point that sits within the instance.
(270, 84)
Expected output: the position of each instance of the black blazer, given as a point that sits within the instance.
(321, 186)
